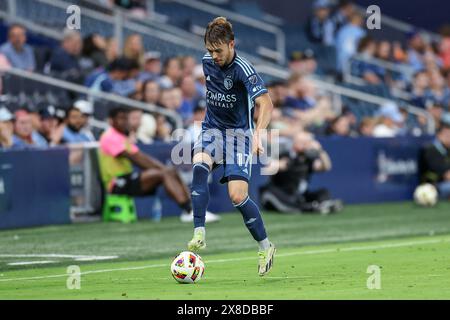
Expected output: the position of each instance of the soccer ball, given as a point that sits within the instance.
(426, 195)
(187, 267)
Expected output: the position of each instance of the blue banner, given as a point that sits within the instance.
(34, 188)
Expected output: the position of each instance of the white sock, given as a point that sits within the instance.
(264, 244)
(202, 230)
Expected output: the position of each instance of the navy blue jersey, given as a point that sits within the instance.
(230, 93)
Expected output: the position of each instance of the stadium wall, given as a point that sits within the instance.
(35, 184)
(34, 188)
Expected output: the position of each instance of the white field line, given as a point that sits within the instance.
(319, 251)
(55, 255)
(24, 263)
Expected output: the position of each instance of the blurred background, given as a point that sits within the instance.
(373, 99)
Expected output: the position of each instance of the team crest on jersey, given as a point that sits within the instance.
(228, 83)
(253, 79)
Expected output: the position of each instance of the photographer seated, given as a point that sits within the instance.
(435, 159)
(288, 189)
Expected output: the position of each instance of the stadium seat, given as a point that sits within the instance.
(119, 208)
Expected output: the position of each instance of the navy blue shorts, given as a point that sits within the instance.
(231, 149)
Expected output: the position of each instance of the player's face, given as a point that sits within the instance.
(222, 53)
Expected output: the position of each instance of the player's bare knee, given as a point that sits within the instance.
(237, 196)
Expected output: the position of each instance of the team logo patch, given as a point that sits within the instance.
(228, 83)
(253, 79)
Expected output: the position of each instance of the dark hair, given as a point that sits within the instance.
(69, 111)
(364, 43)
(120, 64)
(114, 112)
(344, 3)
(219, 31)
(89, 46)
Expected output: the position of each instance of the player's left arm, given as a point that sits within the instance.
(265, 106)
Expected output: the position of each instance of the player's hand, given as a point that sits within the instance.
(257, 144)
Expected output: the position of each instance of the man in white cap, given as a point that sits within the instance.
(87, 110)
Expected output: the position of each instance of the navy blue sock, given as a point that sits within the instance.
(200, 193)
(252, 218)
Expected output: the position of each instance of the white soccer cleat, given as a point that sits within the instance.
(266, 258)
(189, 217)
(198, 242)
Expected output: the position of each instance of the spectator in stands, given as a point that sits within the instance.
(347, 40)
(190, 98)
(320, 27)
(416, 50)
(305, 104)
(6, 128)
(130, 87)
(289, 189)
(188, 64)
(362, 67)
(345, 9)
(171, 98)
(49, 124)
(278, 91)
(163, 129)
(391, 121)
(108, 80)
(198, 115)
(152, 66)
(339, 127)
(65, 60)
(367, 126)
(19, 54)
(133, 49)
(73, 130)
(147, 130)
(301, 93)
(94, 47)
(134, 122)
(87, 111)
(117, 157)
(352, 120)
(24, 135)
(435, 160)
(151, 92)
(172, 73)
(420, 86)
(438, 92)
(303, 63)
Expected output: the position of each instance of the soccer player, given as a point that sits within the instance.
(233, 87)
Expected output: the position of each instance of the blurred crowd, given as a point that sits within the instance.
(178, 84)
(419, 68)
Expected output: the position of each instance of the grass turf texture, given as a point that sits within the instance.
(318, 257)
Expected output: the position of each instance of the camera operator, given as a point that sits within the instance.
(435, 159)
(288, 190)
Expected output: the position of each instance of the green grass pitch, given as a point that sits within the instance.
(319, 257)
